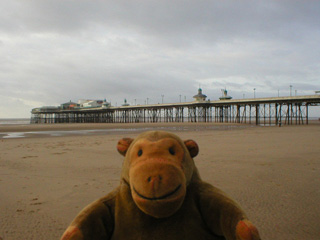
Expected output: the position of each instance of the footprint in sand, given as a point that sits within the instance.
(35, 203)
(38, 203)
(59, 153)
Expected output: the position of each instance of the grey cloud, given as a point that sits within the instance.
(205, 19)
(56, 51)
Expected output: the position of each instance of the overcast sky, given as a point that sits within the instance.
(54, 51)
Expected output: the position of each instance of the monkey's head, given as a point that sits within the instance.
(158, 167)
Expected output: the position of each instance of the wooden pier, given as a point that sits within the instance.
(265, 111)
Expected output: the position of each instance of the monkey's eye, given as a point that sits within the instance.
(172, 151)
(140, 152)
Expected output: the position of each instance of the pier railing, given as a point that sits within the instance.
(266, 111)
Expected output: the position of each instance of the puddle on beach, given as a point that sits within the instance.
(12, 135)
(60, 133)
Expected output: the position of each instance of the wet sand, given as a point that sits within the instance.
(274, 173)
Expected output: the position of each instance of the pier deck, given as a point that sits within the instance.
(267, 111)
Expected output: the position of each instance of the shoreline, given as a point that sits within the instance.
(61, 130)
(90, 126)
(93, 126)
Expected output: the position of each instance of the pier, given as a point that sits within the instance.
(259, 111)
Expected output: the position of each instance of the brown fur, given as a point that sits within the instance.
(161, 196)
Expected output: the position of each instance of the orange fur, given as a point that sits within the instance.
(72, 232)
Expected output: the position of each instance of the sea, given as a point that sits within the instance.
(23, 121)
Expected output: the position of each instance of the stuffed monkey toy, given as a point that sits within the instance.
(161, 196)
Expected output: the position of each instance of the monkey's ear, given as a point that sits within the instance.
(192, 147)
(123, 145)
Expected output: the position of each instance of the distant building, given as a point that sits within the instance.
(90, 103)
(68, 105)
(200, 97)
(125, 103)
(225, 95)
(82, 101)
(106, 104)
(46, 109)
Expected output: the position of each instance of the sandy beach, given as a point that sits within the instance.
(273, 172)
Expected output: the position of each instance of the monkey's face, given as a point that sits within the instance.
(157, 179)
(158, 172)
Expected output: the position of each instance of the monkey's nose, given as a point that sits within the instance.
(157, 178)
(154, 181)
